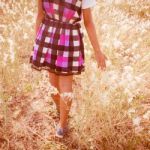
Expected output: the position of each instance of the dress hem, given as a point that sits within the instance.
(57, 72)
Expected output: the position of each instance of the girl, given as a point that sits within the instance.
(59, 48)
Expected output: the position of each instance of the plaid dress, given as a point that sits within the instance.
(58, 46)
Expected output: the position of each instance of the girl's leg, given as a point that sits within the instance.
(66, 96)
(54, 80)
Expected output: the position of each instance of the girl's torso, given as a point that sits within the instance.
(68, 11)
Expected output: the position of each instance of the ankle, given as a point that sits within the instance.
(62, 125)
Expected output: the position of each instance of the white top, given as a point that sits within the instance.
(88, 3)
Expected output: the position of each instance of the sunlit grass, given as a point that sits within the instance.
(112, 107)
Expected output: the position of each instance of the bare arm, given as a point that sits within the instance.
(39, 17)
(90, 27)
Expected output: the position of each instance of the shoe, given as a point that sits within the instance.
(61, 132)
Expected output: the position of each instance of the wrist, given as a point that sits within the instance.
(98, 51)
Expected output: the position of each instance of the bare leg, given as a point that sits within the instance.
(54, 80)
(66, 96)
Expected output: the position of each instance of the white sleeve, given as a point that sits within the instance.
(88, 3)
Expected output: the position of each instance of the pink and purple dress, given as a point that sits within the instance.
(58, 46)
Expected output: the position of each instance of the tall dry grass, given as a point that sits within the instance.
(112, 108)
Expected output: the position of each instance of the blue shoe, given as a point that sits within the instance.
(61, 132)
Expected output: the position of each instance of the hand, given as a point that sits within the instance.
(101, 59)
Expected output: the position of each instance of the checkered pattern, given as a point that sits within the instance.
(58, 46)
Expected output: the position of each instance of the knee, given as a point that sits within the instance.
(54, 81)
(65, 87)
(65, 83)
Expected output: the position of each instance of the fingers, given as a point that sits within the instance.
(105, 57)
(103, 67)
(102, 64)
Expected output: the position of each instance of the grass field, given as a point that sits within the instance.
(111, 110)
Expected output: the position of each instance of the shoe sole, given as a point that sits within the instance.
(59, 136)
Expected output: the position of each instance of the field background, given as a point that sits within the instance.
(111, 110)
